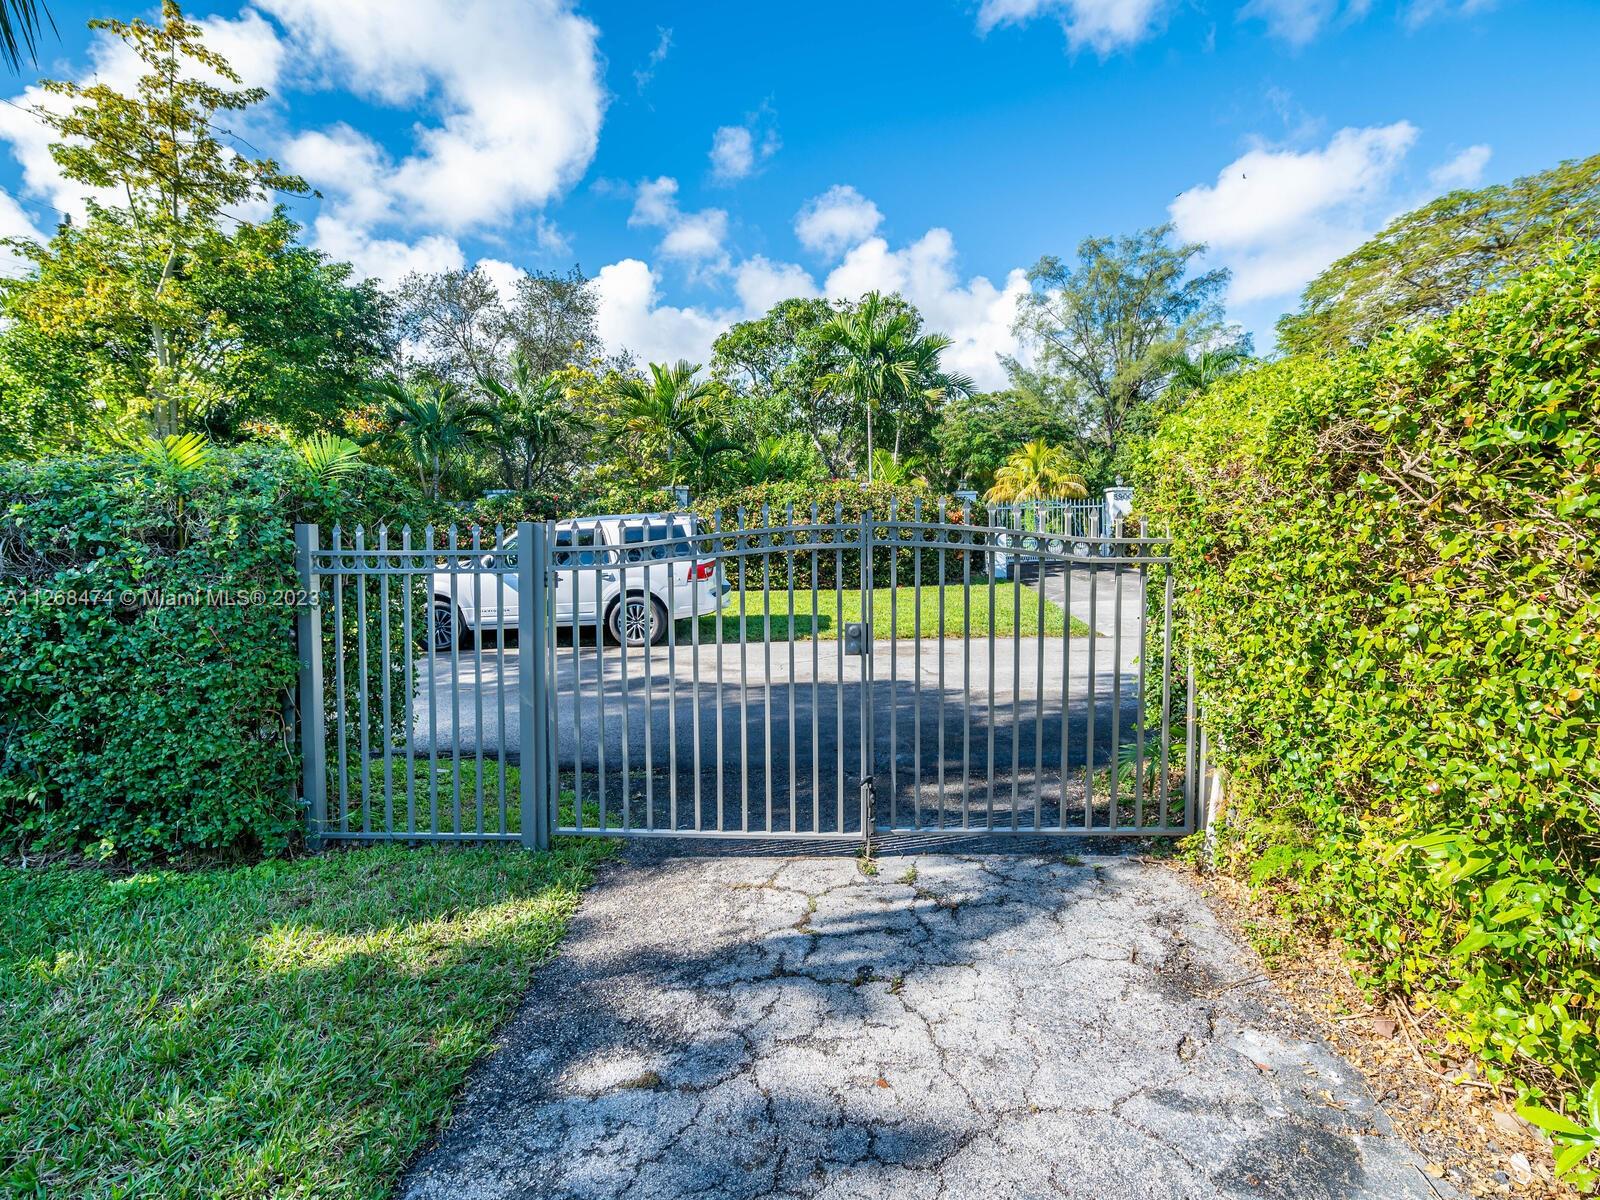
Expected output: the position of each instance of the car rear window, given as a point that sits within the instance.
(663, 540)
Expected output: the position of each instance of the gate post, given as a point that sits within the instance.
(532, 691)
(308, 637)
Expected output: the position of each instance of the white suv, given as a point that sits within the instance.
(468, 601)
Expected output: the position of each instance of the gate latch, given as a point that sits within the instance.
(855, 639)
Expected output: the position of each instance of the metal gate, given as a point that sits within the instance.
(774, 676)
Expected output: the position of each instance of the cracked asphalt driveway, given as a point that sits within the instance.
(955, 1026)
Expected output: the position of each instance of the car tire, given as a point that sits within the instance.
(446, 625)
(630, 613)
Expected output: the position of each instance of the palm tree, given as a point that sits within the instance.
(433, 420)
(704, 443)
(327, 455)
(533, 422)
(669, 403)
(885, 362)
(898, 472)
(1185, 374)
(20, 23)
(1037, 471)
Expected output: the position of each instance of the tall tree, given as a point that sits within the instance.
(666, 407)
(976, 434)
(432, 419)
(1101, 330)
(886, 366)
(465, 330)
(536, 431)
(174, 181)
(1426, 262)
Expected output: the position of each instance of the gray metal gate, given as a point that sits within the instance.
(774, 676)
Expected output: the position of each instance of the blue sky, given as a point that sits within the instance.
(705, 160)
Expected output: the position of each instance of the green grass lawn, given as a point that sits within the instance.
(1010, 616)
(295, 1028)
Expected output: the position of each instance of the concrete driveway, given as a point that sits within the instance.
(973, 1026)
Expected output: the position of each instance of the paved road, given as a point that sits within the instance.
(979, 1027)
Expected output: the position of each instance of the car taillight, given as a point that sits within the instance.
(702, 570)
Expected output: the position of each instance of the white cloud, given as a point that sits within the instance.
(502, 274)
(760, 283)
(630, 316)
(518, 101)
(384, 259)
(839, 218)
(1102, 25)
(1277, 216)
(643, 75)
(976, 313)
(733, 153)
(695, 238)
(15, 223)
(1299, 21)
(1464, 170)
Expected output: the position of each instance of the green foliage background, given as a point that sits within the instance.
(1387, 564)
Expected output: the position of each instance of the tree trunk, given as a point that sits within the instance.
(869, 442)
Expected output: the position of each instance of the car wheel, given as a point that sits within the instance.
(629, 618)
(448, 627)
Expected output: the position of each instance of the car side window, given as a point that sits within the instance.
(573, 547)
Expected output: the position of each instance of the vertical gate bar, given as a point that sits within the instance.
(1016, 682)
(574, 575)
(1138, 746)
(308, 640)
(500, 674)
(722, 760)
(363, 710)
(864, 717)
(626, 805)
(457, 626)
(917, 539)
(1202, 782)
(478, 630)
(1114, 799)
(766, 655)
(647, 657)
(1166, 691)
(672, 669)
(531, 699)
(1189, 725)
(385, 693)
(744, 673)
(700, 547)
(988, 799)
(431, 562)
(894, 661)
(838, 678)
(1088, 742)
(789, 565)
(407, 615)
(943, 535)
(341, 695)
(550, 805)
(966, 666)
(598, 573)
(1038, 696)
(816, 670)
(1067, 572)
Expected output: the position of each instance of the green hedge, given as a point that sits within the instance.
(1387, 565)
(143, 728)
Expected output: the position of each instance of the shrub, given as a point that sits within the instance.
(767, 505)
(146, 648)
(1387, 568)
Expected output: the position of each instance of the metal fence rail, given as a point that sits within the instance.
(771, 675)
